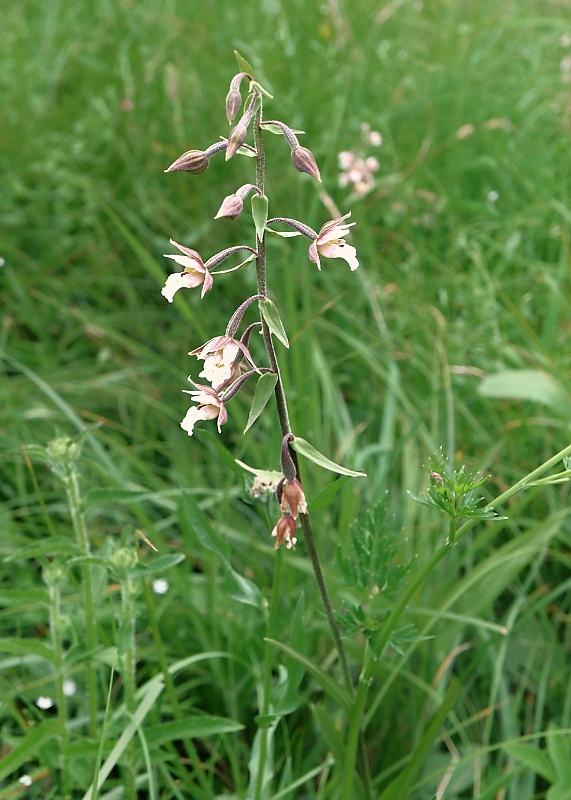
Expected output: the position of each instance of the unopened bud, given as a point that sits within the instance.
(232, 206)
(284, 532)
(233, 103)
(303, 161)
(236, 140)
(193, 161)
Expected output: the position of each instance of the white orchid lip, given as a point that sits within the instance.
(209, 406)
(330, 243)
(194, 273)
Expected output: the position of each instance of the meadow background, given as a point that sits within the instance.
(452, 335)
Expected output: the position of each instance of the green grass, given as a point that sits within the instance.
(464, 251)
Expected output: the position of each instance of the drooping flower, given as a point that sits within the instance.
(221, 359)
(210, 406)
(284, 532)
(330, 243)
(194, 273)
(291, 497)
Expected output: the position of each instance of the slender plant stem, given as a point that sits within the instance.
(55, 627)
(78, 520)
(267, 685)
(285, 426)
(127, 640)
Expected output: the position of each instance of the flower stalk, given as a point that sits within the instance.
(228, 362)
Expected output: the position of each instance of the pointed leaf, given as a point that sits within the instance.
(134, 722)
(524, 384)
(27, 647)
(198, 522)
(268, 126)
(260, 213)
(264, 388)
(283, 234)
(532, 758)
(305, 449)
(266, 474)
(243, 590)
(400, 786)
(194, 727)
(329, 686)
(243, 64)
(158, 564)
(558, 749)
(274, 323)
(27, 748)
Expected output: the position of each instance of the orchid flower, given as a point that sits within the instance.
(210, 406)
(194, 273)
(330, 243)
(221, 361)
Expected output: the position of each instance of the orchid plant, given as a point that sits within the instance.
(228, 363)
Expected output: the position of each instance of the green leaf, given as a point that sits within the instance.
(283, 234)
(268, 126)
(329, 686)
(104, 497)
(532, 758)
(286, 696)
(266, 474)
(264, 388)
(329, 729)
(55, 545)
(243, 590)
(400, 786)
(159, 564)
(151, 694)
(243, 65)
(559, 751)
(202, 528)
(193, 728)
(274, 323)
(27, 749)
(524, 384)
(260, 213)
(26, 647)
(305, 449)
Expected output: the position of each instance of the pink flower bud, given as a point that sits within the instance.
(236, 140)
(193, 161)
(233, 103)
(232, 206)
(303, 161)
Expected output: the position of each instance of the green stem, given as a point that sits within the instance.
(128, 673)
(78, 521)
(267, 685)
(285, 426)
(355, 740)
(55, 616)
